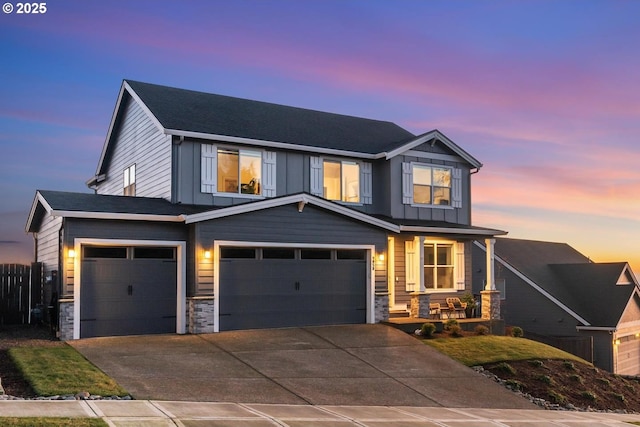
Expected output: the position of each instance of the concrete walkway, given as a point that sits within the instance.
(147, 413)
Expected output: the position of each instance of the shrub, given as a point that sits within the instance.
(517, 332)
(428, 329)
(506, 368)
(455, 331)
(577, 378)
(557, 398)
(569, 365)
(450, 323)
(482, 330)
(589, 395)
(536, 363)
(618, 396)
(545, 379)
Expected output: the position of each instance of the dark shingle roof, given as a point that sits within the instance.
(206, 113)
(87, 202)
(587, 288)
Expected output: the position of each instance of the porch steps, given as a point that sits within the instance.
(396, 313)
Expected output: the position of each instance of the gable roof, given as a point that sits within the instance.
(593, 293)
(189, 113)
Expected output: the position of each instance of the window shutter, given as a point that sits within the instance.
(456, 188)
(366, 183)
(407, 184)
(208, 168)
(269, 174)
(315, 169)
(459, 267)
(411, 269)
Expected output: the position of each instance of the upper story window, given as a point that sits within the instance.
(239, 171)
(232, 171)
(431, 185)
(129, 183)
(341, 180)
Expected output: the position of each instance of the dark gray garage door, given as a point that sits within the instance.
(283, 287)
(127, 291)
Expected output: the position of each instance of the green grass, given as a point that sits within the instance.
(51, 422)
(480, 350)
(62, 370)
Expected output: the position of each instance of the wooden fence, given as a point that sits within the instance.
(579, 346)
(20, 291)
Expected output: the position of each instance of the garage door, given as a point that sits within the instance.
(285, 287)
(127, 291)
(628, 362)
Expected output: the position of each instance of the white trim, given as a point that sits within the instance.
(447, 230)
(281, 201)
(537, 287)
(38, 199)
(271, 144)
(596, 328)
(181, 279)
(370, 279)
(116, 215)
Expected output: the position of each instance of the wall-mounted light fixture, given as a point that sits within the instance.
(381, 257)
(616, 342)
(207, 254)
(71, 253)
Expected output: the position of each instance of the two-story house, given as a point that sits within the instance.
(214, 213)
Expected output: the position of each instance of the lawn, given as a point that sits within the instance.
(51, 422)
(62, 370)
(483, 349)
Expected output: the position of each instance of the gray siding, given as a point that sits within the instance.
(48, 250)
(286, 225)
(399, 210)
(126, 230)
(139, 141)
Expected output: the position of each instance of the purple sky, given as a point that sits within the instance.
(545, 93)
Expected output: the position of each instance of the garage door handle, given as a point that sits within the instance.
(130, 290)
(297, 286)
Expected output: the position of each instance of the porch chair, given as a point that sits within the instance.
(457, 307)
(435, 311)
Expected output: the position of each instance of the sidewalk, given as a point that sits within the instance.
(153, 413)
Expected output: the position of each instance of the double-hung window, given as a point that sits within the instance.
(129, 181)
(434, 265)
(229, 171)
(431, 185)
(438, 265)
(341, 180)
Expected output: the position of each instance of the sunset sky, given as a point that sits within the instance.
(546, 94)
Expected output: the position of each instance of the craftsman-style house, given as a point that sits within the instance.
(214, 213)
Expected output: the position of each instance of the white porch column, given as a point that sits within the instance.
(490, 284)
(421, 264)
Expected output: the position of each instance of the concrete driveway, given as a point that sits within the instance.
(373, 365)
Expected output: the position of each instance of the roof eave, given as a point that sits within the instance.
(37, 200)
(452, 230)
(117, 216)
(269, 144)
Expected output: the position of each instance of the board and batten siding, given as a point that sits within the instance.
(401, 209)
(285, 224)
(121, 230)
(139, 141)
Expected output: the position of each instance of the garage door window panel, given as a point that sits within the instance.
(109, 252)
(237, 253)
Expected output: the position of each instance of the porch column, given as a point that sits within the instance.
(490, 284)
(490, 296)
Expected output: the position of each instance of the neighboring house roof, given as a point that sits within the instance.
(97, 206)
(593, 293)
(209, 116)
